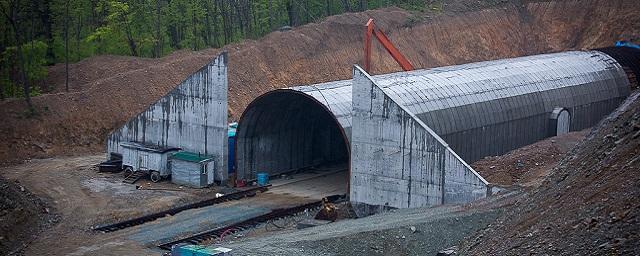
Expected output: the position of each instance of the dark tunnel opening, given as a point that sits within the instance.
(629, 59)
(286, 131)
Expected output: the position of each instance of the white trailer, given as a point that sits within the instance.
(148, 159)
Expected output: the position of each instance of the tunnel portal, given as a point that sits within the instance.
(286, 131)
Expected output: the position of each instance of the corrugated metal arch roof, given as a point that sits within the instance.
(482, 99)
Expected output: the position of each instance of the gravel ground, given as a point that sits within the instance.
(421, 239)
(436, 228)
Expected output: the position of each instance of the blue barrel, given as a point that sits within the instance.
(231, 134)
(231, 162)
(263, 178)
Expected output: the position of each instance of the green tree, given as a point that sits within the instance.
(10, 11)
(35, 71)
(75, 29)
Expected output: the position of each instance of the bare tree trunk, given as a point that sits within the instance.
(238, 9)
(214, 16)
(292, 13)
(129, 33)
(26, 88)
(173, 31)
(206, 34)
(78, 32)
(328, 8)
(345, 4)
(270, 15)
(195, 32)
(10, 15)
(94, 15)
(363, 5)
(255, 26)
(45, 17)
(158, 45)
(226, 23)
(307, 17)
(132, 43)
(248, 16)
(66, 46)
(5, 36)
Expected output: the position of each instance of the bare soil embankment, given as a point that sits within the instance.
(587, 206)
(529, 165)
(22, 215)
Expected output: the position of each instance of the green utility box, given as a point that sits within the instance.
(199, 250)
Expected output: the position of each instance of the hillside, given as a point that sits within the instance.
(587, 206)
(108, 90)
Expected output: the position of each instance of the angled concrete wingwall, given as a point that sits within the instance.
(193, 117)
(397, 160)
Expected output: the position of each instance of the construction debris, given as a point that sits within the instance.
(327, 212)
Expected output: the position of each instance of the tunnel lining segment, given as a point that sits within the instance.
(286, 130)
(468, 105)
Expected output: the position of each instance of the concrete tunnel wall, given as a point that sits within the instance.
(193, 117)
(398, 161)
(479, 109)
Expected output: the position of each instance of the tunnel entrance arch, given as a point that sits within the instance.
(287, 131)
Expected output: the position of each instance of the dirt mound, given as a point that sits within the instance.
(109, 90)
(527, 166)
(21, 216)
(588, 205)
(93, 69)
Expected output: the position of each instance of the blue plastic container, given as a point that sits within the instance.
(263, 178)
(231, 163)
(231, 134)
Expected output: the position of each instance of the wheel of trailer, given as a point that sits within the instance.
(155, 176)
(128, 171)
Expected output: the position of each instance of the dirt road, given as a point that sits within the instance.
(82, 197)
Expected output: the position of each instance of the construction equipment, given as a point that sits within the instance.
(328, 211)
(371, 30)
(110, 166)
(624, 43)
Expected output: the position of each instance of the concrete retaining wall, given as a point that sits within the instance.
(397, 160)
(193, 116)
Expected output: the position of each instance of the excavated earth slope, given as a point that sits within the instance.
(587, 206)
(108, 90)
(22, 215)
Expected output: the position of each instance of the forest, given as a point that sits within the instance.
(39, 33)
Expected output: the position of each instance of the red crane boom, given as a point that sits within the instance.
(384, 40)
